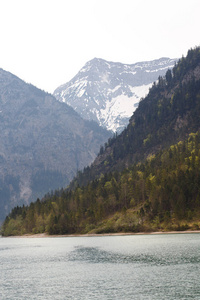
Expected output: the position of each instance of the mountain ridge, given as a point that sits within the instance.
(149, 129)
(144, 179)
(43, 142)
(109, 92)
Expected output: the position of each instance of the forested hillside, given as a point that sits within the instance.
(145, 179)
(168, 114)
(161, 194)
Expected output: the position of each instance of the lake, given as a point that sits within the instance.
(164, 266)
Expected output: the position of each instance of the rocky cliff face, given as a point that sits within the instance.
(109, 92)
(43, 142)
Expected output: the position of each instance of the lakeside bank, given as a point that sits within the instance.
(45, 235)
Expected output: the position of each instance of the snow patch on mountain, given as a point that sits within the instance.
(109, 116)
(141, 91)
(109, 92)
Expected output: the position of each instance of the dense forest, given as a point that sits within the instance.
(145, 179)
(161, 193)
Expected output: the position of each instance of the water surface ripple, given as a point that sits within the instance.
(153, 267)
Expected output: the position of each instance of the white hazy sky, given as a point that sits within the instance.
(46, 42)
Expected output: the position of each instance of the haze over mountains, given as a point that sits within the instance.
(43, 142)
(144, 179)
(109, 92)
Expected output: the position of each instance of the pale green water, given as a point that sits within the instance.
(117, 267)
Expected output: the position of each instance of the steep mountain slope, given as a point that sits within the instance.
(168, 114)
(43, 142)
(109, 92)
(161, 194)
(146, 178)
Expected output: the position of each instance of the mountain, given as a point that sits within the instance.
(109, 92)
(168, 114)
(144, 179)
(43, 142)
(161, 194)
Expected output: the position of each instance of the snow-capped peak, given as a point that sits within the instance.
(109, 92)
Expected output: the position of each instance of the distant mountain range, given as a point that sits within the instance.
(109, 92)
(43, 142)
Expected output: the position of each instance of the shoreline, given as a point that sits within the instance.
(45, 235)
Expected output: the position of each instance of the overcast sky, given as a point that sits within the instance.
(46, 42)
